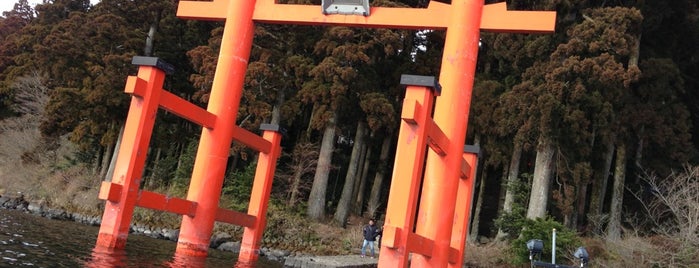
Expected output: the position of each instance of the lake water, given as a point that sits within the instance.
(32, 241)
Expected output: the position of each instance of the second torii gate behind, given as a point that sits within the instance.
(462, 19)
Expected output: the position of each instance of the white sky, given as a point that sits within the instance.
(7, 5)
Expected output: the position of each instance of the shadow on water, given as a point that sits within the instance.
(33, 241)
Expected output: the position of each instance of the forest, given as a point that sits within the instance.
(591, 128)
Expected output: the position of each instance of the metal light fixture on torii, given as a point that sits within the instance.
(435, 232)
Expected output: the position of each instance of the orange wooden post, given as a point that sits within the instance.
(464, 200)
(214, 145)
(145, 88)
(259, 197)
(408, 167)
(437, 205)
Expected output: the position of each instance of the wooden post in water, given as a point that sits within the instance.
(122, 192)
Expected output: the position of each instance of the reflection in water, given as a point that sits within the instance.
(33, 241)
(106, 257)
(180, 260)
(103, 257)
(241, 264)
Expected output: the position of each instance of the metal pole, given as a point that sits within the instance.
(553, 247)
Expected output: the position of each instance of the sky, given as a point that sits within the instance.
(7, 5)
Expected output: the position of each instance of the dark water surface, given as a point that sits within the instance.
(32, 241)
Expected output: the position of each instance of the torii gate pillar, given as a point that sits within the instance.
(435, 219)
(212, 155)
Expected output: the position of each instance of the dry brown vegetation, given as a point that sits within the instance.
(46, 176)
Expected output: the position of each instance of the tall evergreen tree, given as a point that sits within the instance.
(11, 24)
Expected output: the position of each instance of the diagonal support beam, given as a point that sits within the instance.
(465, 169)
(436, 139)
(172, 103)
(235, 217)
(187, 110)
(251, 140)
(392, 237)
(161, 202)
(110, 191)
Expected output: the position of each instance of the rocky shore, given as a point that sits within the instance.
(220, 241)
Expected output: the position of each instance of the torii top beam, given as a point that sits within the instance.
(495, 17)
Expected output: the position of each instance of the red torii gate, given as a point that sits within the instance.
(443, 217)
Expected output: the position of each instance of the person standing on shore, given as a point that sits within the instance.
(370, 233)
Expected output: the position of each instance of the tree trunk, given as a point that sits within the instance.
(538, 198)
(295, 183)
(581, 201)
(276, 110)
(633, 62)
(112, 162)
(156, 163)
(106, 159)
(316, 200)
(182, 162)
(98, 160)
(599, 185)
(476, 216)
(614, 227)
(476, 221)
(615, 210)
(343, 206)
(359, 201)
(639, 156)
(374, 197)
(150, 39)
(512, 177)
(309, 128)
(360, 172)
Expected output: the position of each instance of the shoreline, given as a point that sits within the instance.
(219, 241)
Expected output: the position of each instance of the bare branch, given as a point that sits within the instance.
(676, 197)
(31, 95)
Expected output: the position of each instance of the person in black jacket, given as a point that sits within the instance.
(370, 232)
